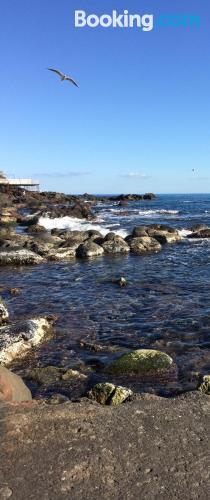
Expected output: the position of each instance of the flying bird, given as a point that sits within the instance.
(63, 77)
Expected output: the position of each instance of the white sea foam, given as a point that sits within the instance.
(146, 212)
(158, 212)
(74, 224)
(184, 232)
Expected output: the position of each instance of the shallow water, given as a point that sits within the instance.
(166, 304)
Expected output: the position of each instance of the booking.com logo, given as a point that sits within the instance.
(178, 21)
(145, 22)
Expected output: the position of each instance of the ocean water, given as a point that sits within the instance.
(166, 304)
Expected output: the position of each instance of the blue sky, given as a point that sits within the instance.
(140, 120)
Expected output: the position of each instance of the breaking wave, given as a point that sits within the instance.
(74, 224)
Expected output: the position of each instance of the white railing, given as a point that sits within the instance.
(19, 182)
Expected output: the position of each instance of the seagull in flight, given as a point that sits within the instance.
(62, 76)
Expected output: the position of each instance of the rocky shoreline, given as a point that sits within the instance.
(25, 242)
(35, 245)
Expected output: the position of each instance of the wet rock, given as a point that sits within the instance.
(116, 245)
(89, 249)
(49, 375)
(109, 394)
(14, 291)
(13, 242)
(19, 258)
(39, 247)
(18, 338)
(111, 236)
(36, 228)
(71, 374)
(141, 361)
(144, 244)
(205, 386)
(12, 387)
(164, 237)
(139, 231)
(121, 281)
(4, 314)
(198, 227)
(77, 236)
(162, 227)
(79, 210)
(204, 233)
(92, 346)
(93, 233)
(61, 254)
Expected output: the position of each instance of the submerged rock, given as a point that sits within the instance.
(19, 258)
(12, 387)
(109, 394)
(48, 375)
(71, 374)
(4, 314)
(141, 361)
(89, 249)
(45, 376)
(18, 338)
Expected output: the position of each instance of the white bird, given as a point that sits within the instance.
(63, 77)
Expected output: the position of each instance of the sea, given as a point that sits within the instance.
(165, 305)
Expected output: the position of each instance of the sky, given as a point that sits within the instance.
(140, 119)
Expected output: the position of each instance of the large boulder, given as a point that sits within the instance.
(164, 237)
(12, 387)
(4, 315)
(139, 231)
(89, 249)
(106, 393)
(144, 244)
(19, 257)
(78, 236)
(141, 362)
(115, 245)
(18, 338)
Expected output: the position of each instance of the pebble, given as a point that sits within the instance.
(5, 492)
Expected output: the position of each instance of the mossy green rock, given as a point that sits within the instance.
(120, 395)
(141, 361)
(106, 393)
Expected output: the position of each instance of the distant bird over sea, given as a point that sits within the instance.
(63, 77)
